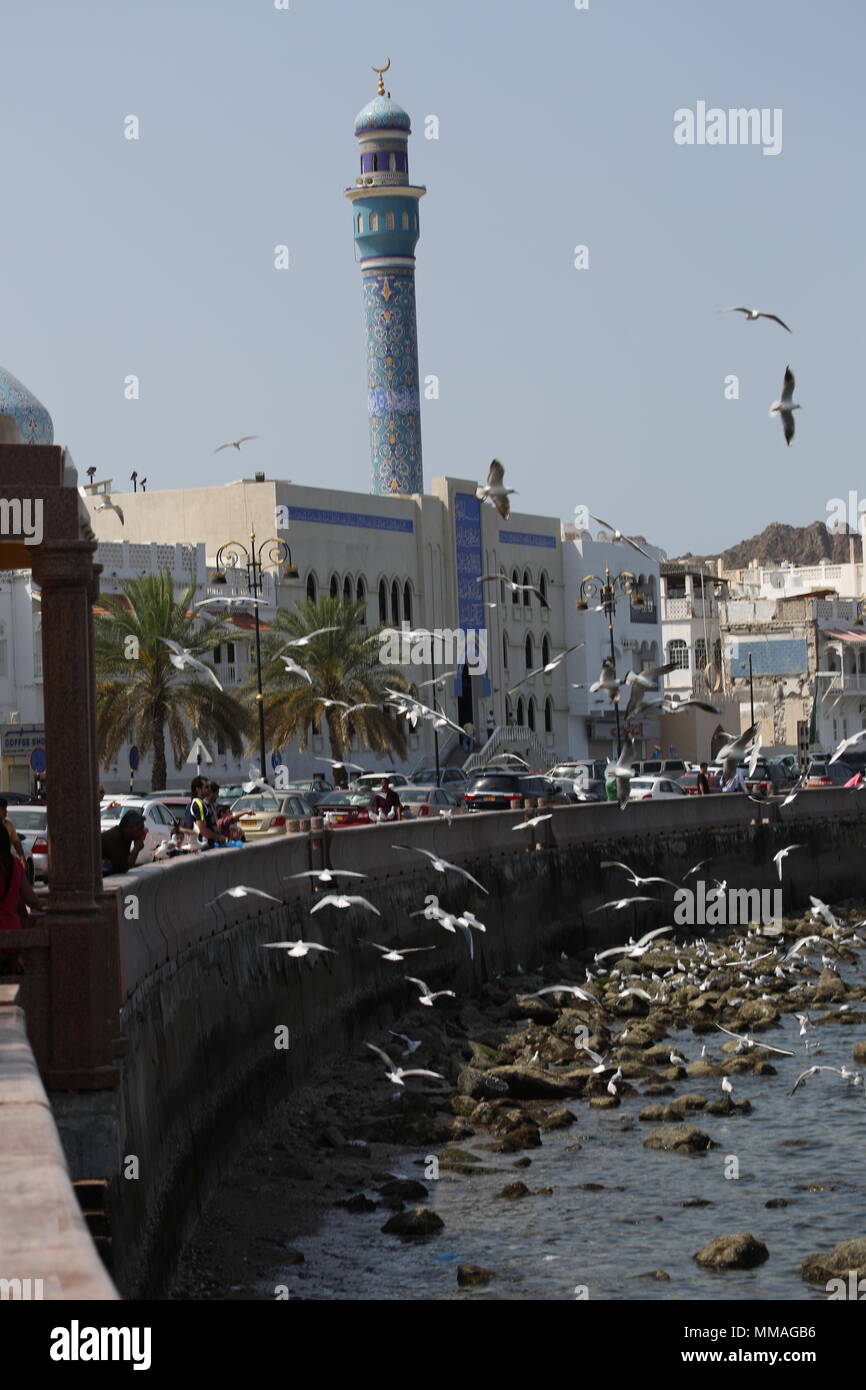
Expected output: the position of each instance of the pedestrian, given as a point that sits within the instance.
(610, 789)
(226, 823)
(14, 890)
(123, 843)
(10, 830)
(200, 816)
(385, 803)
(703, 782)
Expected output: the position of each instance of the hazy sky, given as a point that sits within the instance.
(602, 386)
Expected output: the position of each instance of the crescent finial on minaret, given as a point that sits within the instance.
(381, 91)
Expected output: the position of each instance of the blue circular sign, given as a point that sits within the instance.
(134, 757)
(37, 760)
(276, 760)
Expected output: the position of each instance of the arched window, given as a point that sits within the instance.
(360, 222)
(505, 651)
(383, 602)
(335, 587)
(416, 221)
(374, 219)
(311, 587)
(678, 654)
(361, 595)
(509, 711)
(542, 587)
(545, 649)
(375, 164)
(548, 716)
(527, 579)
(527, 651)
(395, 602)
(405, 220)
(700, 654)
(407, 601)
(530, 713)
(520, 710)
(392, 162)
(347, 590)
(515, 595)
(389, 221)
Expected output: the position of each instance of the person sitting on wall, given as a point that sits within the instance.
(385, 803)
(123, 843)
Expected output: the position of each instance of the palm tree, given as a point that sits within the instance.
(140, 695)
(343, 665)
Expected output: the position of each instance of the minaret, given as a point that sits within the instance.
(385, 207)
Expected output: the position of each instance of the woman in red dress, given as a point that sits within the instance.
(14, 889)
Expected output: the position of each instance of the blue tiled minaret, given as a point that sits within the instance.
(385, 207)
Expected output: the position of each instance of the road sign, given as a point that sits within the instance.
(276, 760)
(37, 759)
(134, 758)
(198, 753)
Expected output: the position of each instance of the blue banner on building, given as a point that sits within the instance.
(470, 564)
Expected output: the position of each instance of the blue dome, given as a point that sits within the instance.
(30, 415)
(382, 114)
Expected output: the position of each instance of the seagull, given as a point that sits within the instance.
(749, 1042)
(607, 680)
(777, 858)
(641, 681)
(494, 492)
(391, 952)
(536, 820)
(611, 1085)
(236, 443)
(327, 875)
(635, 878)
(181, 657)
(677, 1060)
(802, 1078)
(753, 314)
(364, 704)
(726, 1086)
(236, 601)
(106, 505)
(241, 891)
(439, 681)
(819, 909)
(619, 903)
(396, 1074)
(305, 641)
(335, 763)
(847, 743)
(564, 989)
(512, 584)
(296, 948)
(344, 900)
(678, 706)
(752, 761)
(428, 997)
(468, 919)
(328, 704)
(545, 670)
(639, 993)
(293, 669)
(785, 407)
(412, 1044)
(804, 941)
(618, 535)
(697, 868)
(442, 865)
(732, 752)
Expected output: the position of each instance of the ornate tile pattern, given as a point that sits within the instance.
(393, 400)
(30, 414)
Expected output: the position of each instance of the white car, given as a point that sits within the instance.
(31, 823)
(372, 781)
(655, 789)
(159, 822)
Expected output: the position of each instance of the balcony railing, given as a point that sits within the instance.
(674, 609)
(843, 682)
(643, 613)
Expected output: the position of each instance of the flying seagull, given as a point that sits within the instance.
(428, 997)
(298, 949)
(512, 584)
(181, 657)
(305, 641)
(335, 762)
(636, 879)
(564, 989)
(734, 750)
(753, 314)
(494, 492)
(536, 820)
(777, 858)
(235, 443)
(803, 1077)
(619, 903)
(847, 743)
(607, 680)
(106, 505)
(442, 865)
(391, 952)
(747, 1042)
(237, 601)
(618, 535)
(327, 875)
(344, 900)
(396, 1074)
(545, 670)
(241, 891)
(785, 407)
(293, 669)
(412, 1044)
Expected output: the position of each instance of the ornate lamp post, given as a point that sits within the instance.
(608, 590)
(272, 553)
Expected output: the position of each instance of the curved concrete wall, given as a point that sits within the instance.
(202, 1000)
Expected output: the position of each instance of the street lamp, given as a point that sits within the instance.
(234, 555)
(608, 590)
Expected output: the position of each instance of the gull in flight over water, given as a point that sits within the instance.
(493, 491)
(395, 1073)
(747, 1042)
(442, 865)
(235, 443)
(181, 657)
(785, 407)
(753, 314)
(855, 1076)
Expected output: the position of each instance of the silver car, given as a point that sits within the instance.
(31, 823)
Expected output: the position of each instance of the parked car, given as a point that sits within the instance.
(230, 792)
(31, 823)
(267, 815)
(766, 779)
(578, 770)
(345, 808)
(492, 791)
(448, 777)
(159, 822)
(580, 792)
(21, 799)
(689, 783)
(661, 767)
(373, 780)
(820, 773)
(428, 801)
(655, 789)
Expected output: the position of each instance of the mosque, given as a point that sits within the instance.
(411, 556)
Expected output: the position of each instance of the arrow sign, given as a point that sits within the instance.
(198, 753)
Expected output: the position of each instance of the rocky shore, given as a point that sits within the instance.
(517, 1066)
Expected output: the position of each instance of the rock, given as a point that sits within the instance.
(536, 1009)
(558, 1119)
(292, 1257)
(656, 1113)
(777, 1202)
(403, 1187)
(592, 1187)
(473, 1276)
(332, 1138)
(484, 1057)
(526, 1137)
(480, 1085)
(659, 1088)
(851, 1254)
(514, 1191)
(830, 986)
(725, 1105)
(757, 1013)
(524, 1082)
(357, 1203)
(658, 1274)
(418, 1222)
(696, 1202)
(679, 1139)
(463, 1105)
(859, 1053)
(604, 1102)
(525, 1162)
(740, 1251)
(457, 1158)
(701, 1067)
(684, 1105)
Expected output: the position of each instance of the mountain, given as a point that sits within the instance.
(801, 545)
